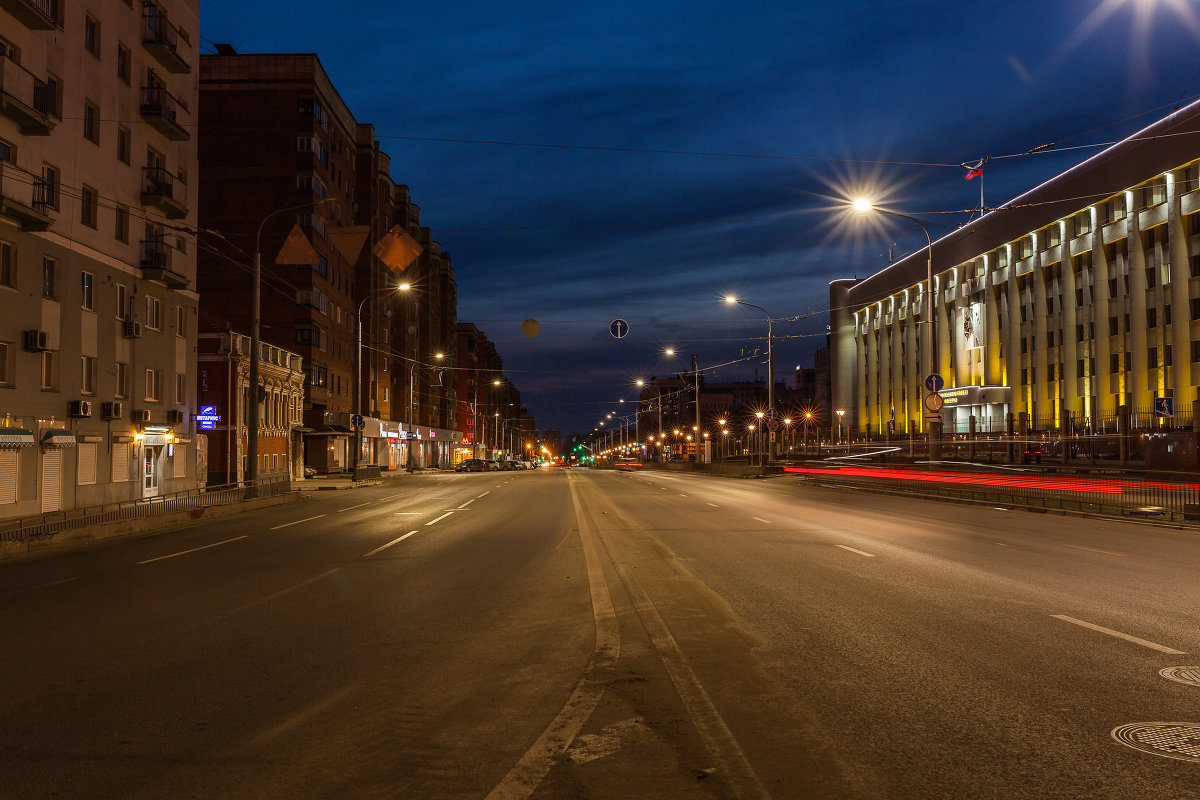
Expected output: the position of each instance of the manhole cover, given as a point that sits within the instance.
(1188, 675)
(1178, 740)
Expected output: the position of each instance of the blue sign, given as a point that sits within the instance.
(1164, 406)
(356, 420)
(934, 382)
(208, 418)
(618, 328)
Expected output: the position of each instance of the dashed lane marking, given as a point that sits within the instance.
(297, 522)
(1144, 643)
(760, 519)
(853, 550)
(1094, 550)
(193, 550)
(389, 544)
(351, 508)
(439, 519)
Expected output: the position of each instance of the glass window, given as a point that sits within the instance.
(121, 389)
(122, 301)
(8, 264)
(89, 206)
(8, 152)
(4, 373)
(153, 312)
(123, 144)
(47, 370)
(87, 384)
(180, 388)
(86, 279)
(154, 385)
(180, 321)
(121, 231)
(124, 63)
(91, 35)
(91, 122)
(49, 276)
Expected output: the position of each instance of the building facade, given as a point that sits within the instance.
(1072, 304)
(98, 201)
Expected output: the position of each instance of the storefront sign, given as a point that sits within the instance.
(208, 418)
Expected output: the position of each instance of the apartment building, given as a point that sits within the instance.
(1073, 303)
(478, 380)
(98, 202)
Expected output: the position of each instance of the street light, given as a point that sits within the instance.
(841, 412)
(730, 299)
(403, 287)
(932, 431)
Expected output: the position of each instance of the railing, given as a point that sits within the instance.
(156, 254)
(45, 525)
(157, 30)
(157, 182)
(158, 102)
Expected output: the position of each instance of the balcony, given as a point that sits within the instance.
(161, 110)
(25, 99)
(37, 15)
(24, 198)
(158, 191)
(156, 265)
(161, 40)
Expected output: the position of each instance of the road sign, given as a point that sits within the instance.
(772, 425)
(618, 328)
(933, 402)
(771, 413)
(1164, 406)
(934, 382)
(356, 420)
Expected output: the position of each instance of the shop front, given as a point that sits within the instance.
(989, 406)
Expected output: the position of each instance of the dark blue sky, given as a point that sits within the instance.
(643, 159)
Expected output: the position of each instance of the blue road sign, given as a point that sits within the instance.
(208, 418)
(357, 420)
(618, 328)
(771, 414)
(934, 382)
(1164, 406)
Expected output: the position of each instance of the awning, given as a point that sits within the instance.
(330, 430)
(16, 437)
(58, 438)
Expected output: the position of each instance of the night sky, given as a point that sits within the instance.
(583, 162)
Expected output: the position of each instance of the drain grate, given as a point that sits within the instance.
(1188, 675)
(1178, 740)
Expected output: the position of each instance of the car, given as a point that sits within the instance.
(516, 465)
(471, 465)
(492, 464)
(310, 472)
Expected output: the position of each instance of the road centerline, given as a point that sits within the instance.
(193, 550)
(439, 519)
(760, 519)
(1119, 635)
(464, 505)
(297, 522)
(1095, 550)
(389, 544)
(854, 550)
(351, 508)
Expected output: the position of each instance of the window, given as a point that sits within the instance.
(1166, 315)
(50, 186)
(86, 280)
(180, 388)
(8, 265)
(124, 146)
(49, 276)
(1114, 362)
(91, 35)
(87, 382)
(122, 301)
(1051, 237)
(91, 122)
(154, 385)
(121, 388)
(1081, 223)
(54, 89)
(316, 375)
(1195, 351)
(121, 230)
(180, 321)
(90, 206)
(86, 456)
(153, 313)
(1152, 358)
(48, 370)
(1151, 317)
(4, 369)
(124, 63)
(1195, 304)
(8, 152)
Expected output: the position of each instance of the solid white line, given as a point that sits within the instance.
(1002, 544)
(1094, 550)
(282, 592)
(852, 550)
(464, 505)
(389, 544)
(193, 550)
(408, 513)
(1119, 635)
(351, 508)
(297, 522)
(760, 519)
(489, 491)
(439, 519)
(714, 505)
(683, 495)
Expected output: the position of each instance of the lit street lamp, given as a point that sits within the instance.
(933, 430)
(770, 365)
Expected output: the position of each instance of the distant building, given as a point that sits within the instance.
(97, 256)
(479, 367)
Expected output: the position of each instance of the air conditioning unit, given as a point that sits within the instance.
(174, 417)
(37, 340)
(131, 329)
(141, 416)
(80, 408)
(112, 410)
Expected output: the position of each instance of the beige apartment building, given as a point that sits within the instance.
(97, 255)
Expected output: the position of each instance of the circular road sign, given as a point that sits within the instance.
(357, 420)
(934, 382)
(618, 328)
(933, 402)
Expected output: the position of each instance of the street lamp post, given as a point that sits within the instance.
(358, 410)
(770, 366)
(933, 431)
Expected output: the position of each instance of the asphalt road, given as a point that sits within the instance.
(585, 634)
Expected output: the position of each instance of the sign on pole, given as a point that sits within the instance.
(356, 421)
(618, 328)
(1164, 406)
(934, 382)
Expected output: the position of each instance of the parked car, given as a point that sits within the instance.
(310, 472)
(516, 465)
(492, 464)
(471, 465)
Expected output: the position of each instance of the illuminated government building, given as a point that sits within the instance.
(1075, 299)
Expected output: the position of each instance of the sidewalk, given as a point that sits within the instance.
(342, 480)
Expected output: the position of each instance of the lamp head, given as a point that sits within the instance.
(730, 298)
(863, 205)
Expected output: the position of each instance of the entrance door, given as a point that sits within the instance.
(151, 471)
(51, 479)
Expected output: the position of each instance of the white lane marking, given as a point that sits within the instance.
(489, 491)
(39, 586)
(297, 522)
(714, 505)
(1119, 635)
(998, 508)
(523, 779)
(408, 513)
(305, 715)
(852, 550)
(472, 500)
(193, 550)
(282, 592)
(439, 519)
(1094, 550)
(760, 519)
(1002, 544)
(351, 508)
(682, 495)
(389, 544)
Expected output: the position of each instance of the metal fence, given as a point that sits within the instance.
(1173, 501)
(45, 525)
